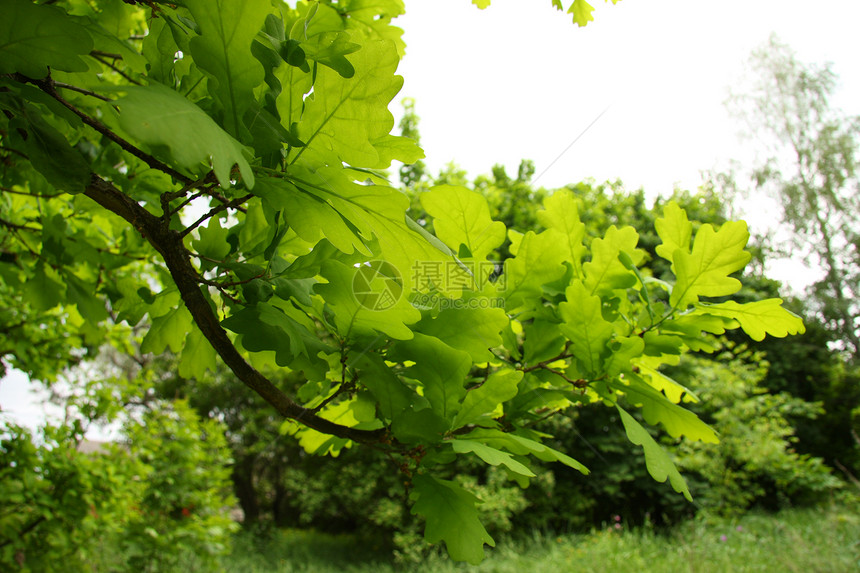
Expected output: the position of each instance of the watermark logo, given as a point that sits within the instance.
(377, 285)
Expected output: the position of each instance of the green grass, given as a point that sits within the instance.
(808, 540)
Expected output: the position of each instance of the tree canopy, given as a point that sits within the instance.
(213, 171)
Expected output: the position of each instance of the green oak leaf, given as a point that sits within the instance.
(462, 216)
(543, 340)
(450, 516)
(35, 37)
(757, 318)
(50, 153)
(689, 328)
(419, 426)
(473, 330)
(44, 290)
(330, 49)
(440, 369)
(538, 261)
(83, 295)
(522, 446)
(197, 357)
(499, 387)
(561, 213)
(392, 395)
(388, 311)
(162, 118)
(586, 328)
(213, 240)
(605, 273)
(705, 271)
(264, 326)
(661, 344)
(675, 230)
(657, 408)
(491, 456)
(376, 212)
(344, 116)
(672, 389)
(223, 50)
(624, 351)
(658, 462)
(310, 216)
(581, 11)
(167, 331)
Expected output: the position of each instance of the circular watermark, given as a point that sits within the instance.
(377, 285)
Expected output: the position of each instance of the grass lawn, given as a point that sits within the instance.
(803, 540)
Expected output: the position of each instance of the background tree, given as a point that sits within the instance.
(812, 172)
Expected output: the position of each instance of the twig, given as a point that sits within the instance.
(214, 211)
(114, 68)
(47, 86)
(80, 90)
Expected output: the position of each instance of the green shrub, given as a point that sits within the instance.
(142, 507)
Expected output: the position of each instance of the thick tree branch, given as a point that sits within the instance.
(169, 244)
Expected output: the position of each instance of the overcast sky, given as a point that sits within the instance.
(519, 80)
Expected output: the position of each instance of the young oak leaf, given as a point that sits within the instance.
(473, 330)
(561, 213)
(705, 271)
(491, 456)
(499, 387)
(675, 230)
(586, 328)
(462, 217)
(605, 272)
(658, 462)
(223, 50)
(344, 116)
(538, 262)
(657, 408)
(581, 11)
(366, 301)
(450, 516)
(162, 118)
(757, 318)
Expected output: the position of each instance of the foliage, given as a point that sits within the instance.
(214, 167)
(51, 497)
(790, 540)
(580, 9)
(812, 171)
(755, 462)
(142, 507)
(183, 499)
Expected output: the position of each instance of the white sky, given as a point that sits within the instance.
(519, 80)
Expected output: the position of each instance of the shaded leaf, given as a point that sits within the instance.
(35, 37)
(450, 515)
(658, 462)
(162, 118)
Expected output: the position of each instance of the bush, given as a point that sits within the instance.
(142, 507)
